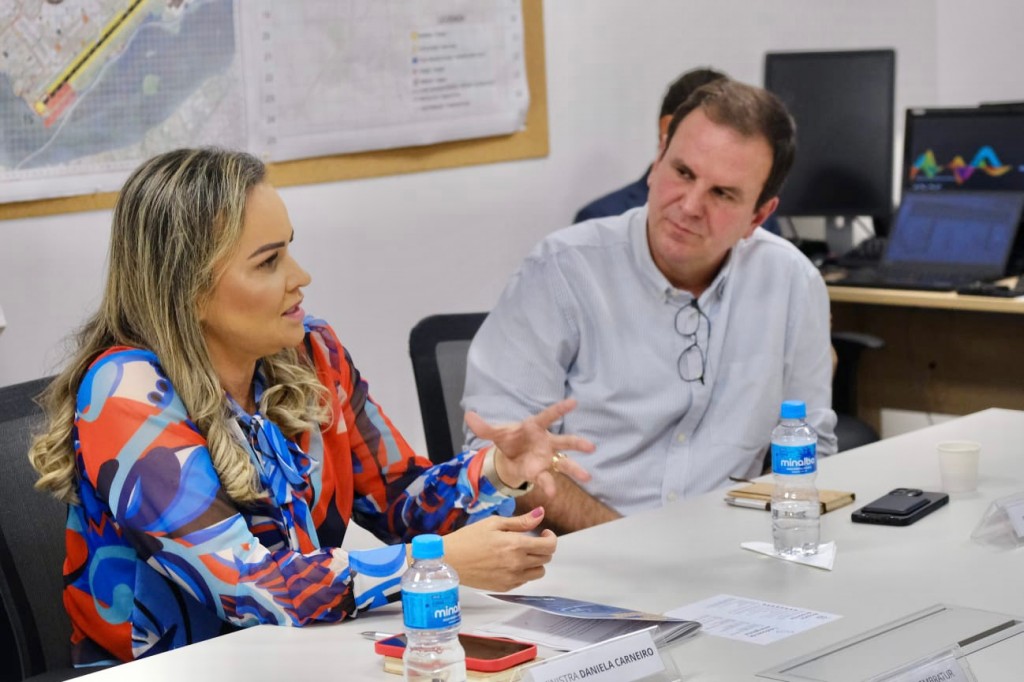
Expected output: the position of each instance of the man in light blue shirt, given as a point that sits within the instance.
(679, 326)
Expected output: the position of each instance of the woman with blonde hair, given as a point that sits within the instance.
(213, 441)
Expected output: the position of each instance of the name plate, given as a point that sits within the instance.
(623, 659)
(944, 670)
(1015, 511)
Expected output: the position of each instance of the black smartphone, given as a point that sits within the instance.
(900, 507)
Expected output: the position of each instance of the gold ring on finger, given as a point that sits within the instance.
(556, 459)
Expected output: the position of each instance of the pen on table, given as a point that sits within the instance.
(374, 636)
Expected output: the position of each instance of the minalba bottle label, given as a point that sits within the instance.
(794, 460)
(431, 610)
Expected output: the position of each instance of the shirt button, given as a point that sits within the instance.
(681, 438)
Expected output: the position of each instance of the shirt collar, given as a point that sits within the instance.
(281, 464)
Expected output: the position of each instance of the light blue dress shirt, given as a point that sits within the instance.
(588, 315)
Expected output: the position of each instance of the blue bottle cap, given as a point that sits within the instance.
(427, 547)
(793, 409)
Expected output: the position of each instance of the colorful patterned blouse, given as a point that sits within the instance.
(159, 557)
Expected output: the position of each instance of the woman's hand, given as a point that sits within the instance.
(497, 554)
(527, 451)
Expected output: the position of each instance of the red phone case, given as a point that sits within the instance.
(395, 647)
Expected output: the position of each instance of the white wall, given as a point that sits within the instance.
(978, 51)
(386, 252)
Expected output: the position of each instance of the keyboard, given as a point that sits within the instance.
(881, 279)
(866, 253)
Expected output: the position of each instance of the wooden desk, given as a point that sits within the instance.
(944, 352)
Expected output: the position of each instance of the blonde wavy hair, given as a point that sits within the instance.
(177, 220)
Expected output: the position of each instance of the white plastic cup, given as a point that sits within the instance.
(958, 465)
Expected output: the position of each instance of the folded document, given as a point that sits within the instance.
(570, 624)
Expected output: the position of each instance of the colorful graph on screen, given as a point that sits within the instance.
(985, 160)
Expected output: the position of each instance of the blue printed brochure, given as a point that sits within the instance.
(574, 608)
(569, 624)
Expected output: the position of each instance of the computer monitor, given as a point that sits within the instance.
(978, 148)
(843, 104)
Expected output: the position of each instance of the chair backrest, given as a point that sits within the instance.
(31, 546)
(851, 431)
(438, 346)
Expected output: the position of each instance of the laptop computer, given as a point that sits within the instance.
(940, 241)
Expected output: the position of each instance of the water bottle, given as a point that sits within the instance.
(430, 609)
(795, 509)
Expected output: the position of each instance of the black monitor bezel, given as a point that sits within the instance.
(889, 54)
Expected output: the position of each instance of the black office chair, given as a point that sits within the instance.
(851, 432)
(35, 633)
(438, 346)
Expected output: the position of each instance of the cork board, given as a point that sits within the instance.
(532, 142)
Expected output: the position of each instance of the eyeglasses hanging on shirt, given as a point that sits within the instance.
(693, 325)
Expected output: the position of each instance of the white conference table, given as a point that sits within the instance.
(690, 550)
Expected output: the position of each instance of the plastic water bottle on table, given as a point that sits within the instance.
(430, 609)
(796, 511)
